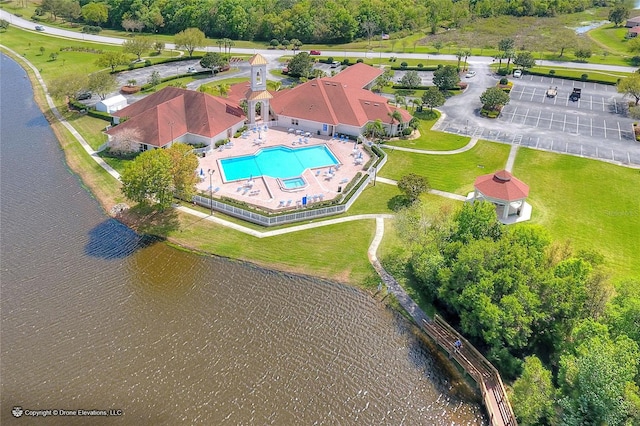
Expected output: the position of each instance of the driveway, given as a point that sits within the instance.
(596, 126)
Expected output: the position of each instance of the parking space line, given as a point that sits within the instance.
(533, 94)
(577, 125)
(591, 102)
(566, 147)
(514, 114)
(591, 126)
(521, 93)
(551, 121)
(605, 128)
(613, 157)
(619, 131)
(615, 105)
(565, 122)
(597, 156)
(527, 114)
(539, 114)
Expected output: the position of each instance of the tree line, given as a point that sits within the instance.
(311, 21)
(544, 313)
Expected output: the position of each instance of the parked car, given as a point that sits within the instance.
(517, 74)
(575, 95)
(470, 74)
(314, 52)
(39, 28)
(82, 96)
(335, 64)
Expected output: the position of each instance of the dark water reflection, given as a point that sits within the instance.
(95, 317)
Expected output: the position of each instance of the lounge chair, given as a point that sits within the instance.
(288, 202)
(217, 189)
(345, 180)
(281, 203)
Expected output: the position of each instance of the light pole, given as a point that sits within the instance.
(211, 171)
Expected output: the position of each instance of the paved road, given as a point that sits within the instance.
(273, 55)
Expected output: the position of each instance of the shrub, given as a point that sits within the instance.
(407, 131)
(584, 77)
(131, 66)
(330, 59)
(503, 71)
(345, 61)
(504, 80)
(552, 72)
(404, 64)
(360, 60)
(147, 63)
(420, 65)
(91, 29)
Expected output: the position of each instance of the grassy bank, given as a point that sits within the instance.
(592, 203)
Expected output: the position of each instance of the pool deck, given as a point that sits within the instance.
(265, 191)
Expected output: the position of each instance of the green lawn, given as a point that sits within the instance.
(610, 76)
(612, 37)
(336, 252)
(431, 140)
(89, 127)
(594, 204)
(453, 173)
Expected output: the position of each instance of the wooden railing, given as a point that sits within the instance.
(478, 367)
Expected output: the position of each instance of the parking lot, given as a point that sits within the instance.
(594, 126)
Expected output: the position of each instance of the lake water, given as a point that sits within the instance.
(95, 317)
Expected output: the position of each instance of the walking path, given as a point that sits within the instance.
(481, 370)
(512, 158)
(431, 191)
(467, 147)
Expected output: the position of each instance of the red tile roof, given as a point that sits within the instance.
(173, 112)
(501, 185)
(326, 100)
(357, 75)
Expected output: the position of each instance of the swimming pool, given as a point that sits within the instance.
(277, 162)
(294, 183)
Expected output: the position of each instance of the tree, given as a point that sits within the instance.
(183, 164)
(432, 98)
(369, 28)
(125, 142)
(413, 185)
(296, 44)
(618, 13)
(190, 39)
(494, 98)
(411, 80)
(147, 179)
(154, 79)
(112, 59)
(582, 54)
(374, 129)
(459, 56)
(54, 7)
(158, 46)
(533, 394)
(525, 60)
(630, 86)
(300, 65)
(95, 13)
(446, 77)
(4, 24)
(597, 378)
(438, 45)
(102, 83)
(137, 46)
(506, 44)
(214, 61)
(68, 85)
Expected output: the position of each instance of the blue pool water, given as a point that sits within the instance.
(278, 162)
(293, 183)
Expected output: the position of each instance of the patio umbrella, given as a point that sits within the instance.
(201, 172)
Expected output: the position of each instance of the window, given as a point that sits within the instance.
(294, 122)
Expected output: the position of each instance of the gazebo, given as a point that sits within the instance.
(506, 192)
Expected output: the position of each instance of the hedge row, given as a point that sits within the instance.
(399, 86)
(588, 80)
(427, 68)
(90, 111)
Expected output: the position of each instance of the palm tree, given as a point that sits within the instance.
(223, 89)
(459, 55)
(220, 43)
(466, 53)
(416, 103)
(395, 116)
(374, 129)
(509, 55)
(399, 99)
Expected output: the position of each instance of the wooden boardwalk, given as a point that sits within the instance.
(483, 373)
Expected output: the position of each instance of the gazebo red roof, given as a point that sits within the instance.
(501, 185)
